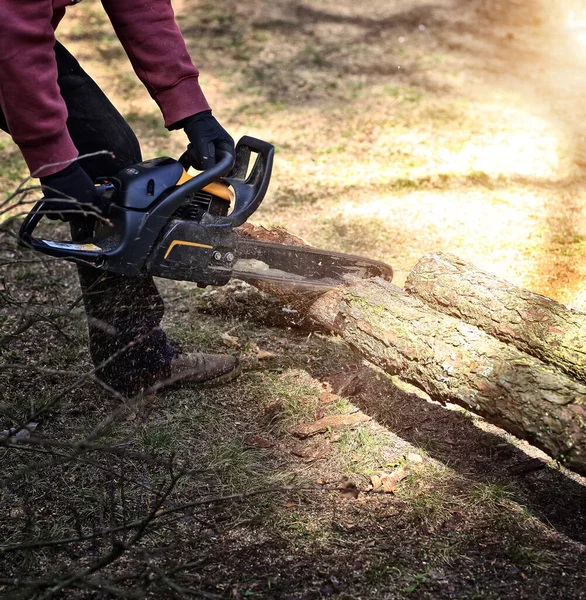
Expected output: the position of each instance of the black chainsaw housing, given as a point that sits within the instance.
(172, 229)
(137, 187)
(192, 252)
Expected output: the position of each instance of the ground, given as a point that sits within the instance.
(414, 127)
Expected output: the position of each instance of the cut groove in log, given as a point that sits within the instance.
(533, 323)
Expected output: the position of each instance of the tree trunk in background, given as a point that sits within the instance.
(533, 323)
(455, 361)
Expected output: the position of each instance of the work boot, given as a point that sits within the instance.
(205, 370)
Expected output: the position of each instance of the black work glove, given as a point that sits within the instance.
(76, 190)
(207, 138)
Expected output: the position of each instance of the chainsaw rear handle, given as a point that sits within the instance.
(33, 218)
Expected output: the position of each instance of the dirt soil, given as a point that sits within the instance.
(401, 127)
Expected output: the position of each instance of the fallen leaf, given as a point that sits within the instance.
(312, 452)
(274, 408)
(349, 490)
(256, 441)
(387, 482)
(230, 340)
(328, 423)
(376, 481)
(454, 522)
(390, 481)
(327, 398)
(265, 354)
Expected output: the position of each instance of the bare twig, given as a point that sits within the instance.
(118, 547)
(163, 513)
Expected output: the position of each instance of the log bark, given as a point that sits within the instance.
(455, 361)
(533, 323)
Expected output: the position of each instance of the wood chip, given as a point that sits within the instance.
(527, 466)
(386, 482)
(230, 340)
(327, 398)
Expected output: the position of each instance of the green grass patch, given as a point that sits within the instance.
(429, 507)
(147, 124)
(405, 94)
(491, 495)
(359, 451)
(529, 557)
(239, 468)
(289, 398)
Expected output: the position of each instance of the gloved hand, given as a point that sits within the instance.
(71, 182)
(207, 138)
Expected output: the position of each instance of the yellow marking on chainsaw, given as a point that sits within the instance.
(184, 243)
(185, 177)
(221, 190)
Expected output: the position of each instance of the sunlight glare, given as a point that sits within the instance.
(576, 26)
(523, 145)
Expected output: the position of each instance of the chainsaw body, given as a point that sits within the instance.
(162, 221)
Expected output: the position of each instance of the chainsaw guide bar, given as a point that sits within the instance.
(302, 265)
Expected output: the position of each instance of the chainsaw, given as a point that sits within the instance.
(162, 221)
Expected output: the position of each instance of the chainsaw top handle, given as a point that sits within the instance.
(123, 242)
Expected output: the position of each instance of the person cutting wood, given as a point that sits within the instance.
(55, 113)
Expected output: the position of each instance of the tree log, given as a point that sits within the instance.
(538, 325)
(454, 361)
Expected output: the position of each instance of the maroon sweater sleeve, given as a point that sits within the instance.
(155, 46)
(29, 94)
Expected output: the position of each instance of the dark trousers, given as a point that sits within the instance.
(123, 313)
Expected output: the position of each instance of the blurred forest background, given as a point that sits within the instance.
(401, 127)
